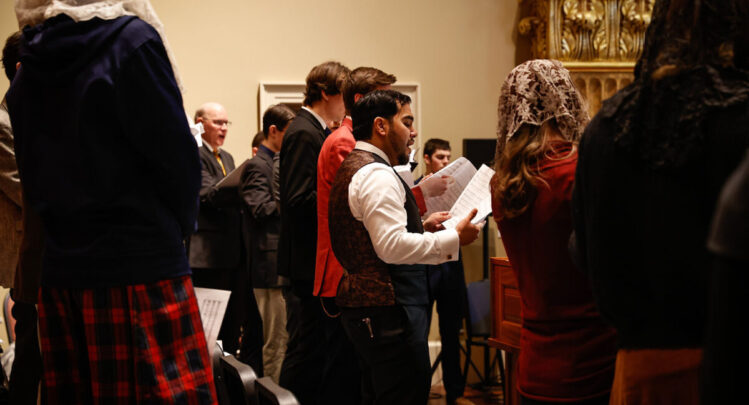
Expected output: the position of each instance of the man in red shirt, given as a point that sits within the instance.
(328, 271)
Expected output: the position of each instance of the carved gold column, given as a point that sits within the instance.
(599, 41)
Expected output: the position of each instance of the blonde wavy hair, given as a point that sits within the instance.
(517, 174)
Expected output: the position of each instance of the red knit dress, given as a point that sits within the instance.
(567, 350)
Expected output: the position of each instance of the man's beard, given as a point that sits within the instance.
(402, 157)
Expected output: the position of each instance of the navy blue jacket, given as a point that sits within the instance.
(104, 152)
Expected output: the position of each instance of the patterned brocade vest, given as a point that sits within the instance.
(367, 280)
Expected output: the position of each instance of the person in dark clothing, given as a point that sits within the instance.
(305, 364)
(651, 165)
(725, 372)
(448, 286)
(107, 161)
(261, 226)
(216, 249)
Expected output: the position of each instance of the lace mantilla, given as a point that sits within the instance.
(537, 91)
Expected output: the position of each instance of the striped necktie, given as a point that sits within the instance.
(220, 163)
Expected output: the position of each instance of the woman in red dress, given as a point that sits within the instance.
(567, 351)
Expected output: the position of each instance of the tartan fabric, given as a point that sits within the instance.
(139, 344)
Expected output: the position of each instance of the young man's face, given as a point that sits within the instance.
(402, 133)
(439, 159)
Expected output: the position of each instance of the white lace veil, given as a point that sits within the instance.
(33, 12)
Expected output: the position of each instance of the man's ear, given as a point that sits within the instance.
(357, 97)
(381, 126)
(199, 119)
(272, 130)
(325, 95)
(18, 66)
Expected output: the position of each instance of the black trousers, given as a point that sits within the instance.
(341, 377)
(27, 364)
(449, 291)
(301, 371)
(391, 345)
(251, 343)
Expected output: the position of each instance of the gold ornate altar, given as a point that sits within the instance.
(599, 41)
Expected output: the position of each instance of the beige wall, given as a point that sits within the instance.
(458, 51)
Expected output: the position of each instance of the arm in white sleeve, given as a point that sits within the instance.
(377, 198)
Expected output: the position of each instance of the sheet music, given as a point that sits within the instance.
(212, 304)
(234, 177)
(462, 171)
(476, 195)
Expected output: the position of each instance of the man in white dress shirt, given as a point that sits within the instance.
(378, 236)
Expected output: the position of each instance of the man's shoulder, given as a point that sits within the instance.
(341, 138)
(304, 122)
(259, 162)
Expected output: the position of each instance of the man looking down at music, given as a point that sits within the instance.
(377, 235)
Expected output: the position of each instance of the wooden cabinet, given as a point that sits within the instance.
(506, 321)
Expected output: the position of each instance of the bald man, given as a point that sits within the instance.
(215, 249)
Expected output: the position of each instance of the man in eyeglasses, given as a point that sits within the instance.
(215, 248)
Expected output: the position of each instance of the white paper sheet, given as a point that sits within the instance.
(476, 195)
(212, 304)
(405, 172)
(461, 170)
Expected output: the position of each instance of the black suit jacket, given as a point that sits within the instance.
(298, 181)
(217, 242)
(262, 219)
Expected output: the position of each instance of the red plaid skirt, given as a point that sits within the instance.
(123, 345)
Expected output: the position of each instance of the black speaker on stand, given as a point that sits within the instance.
(481, 152)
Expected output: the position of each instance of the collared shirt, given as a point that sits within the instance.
(210, 148)
(377, 198)
(265, 149)
(319, 118)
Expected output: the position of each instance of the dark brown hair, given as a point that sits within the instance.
(328, 77)
(378, 103)
(278, 115)
(11, 54)
(433, 144)
(363, 80)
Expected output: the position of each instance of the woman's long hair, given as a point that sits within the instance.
(517, 171)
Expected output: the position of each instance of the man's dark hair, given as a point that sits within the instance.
(258, 139)
(435, 143)
(279, 115)
(328, 77)
(379, 103)
(363, 80)
(12, 54)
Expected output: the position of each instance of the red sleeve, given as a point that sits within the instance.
(419, 199)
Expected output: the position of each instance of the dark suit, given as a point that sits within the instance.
(216, 243)
(215, 249)
(305, 361)
(298, 181)
(262, 225)
(262, 220)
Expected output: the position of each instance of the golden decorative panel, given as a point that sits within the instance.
(599, 41)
